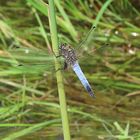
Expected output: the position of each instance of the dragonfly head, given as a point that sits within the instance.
(64, 48)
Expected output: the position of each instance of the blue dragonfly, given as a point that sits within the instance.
(69, 57)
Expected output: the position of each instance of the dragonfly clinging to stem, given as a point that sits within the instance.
(70, 59)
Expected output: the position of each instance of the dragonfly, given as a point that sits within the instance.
(70, 59)
(69, 55)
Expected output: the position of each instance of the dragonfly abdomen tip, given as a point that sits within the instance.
(90, 91)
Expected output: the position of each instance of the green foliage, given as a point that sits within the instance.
(29, 99)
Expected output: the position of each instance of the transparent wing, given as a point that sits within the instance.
(90, 45)
(82, 78)
(26, 61)
(86, 38)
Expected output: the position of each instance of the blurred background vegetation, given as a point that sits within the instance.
(28, 90)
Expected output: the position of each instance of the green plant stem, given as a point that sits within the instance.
(62, 98)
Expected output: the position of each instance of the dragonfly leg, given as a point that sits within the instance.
(65, 65)
(58, 56)
(58, 69)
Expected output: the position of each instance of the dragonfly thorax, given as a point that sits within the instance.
(68, 53)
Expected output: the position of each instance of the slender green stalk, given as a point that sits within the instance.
(62, 99)
(67, 21)
(42, 29)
